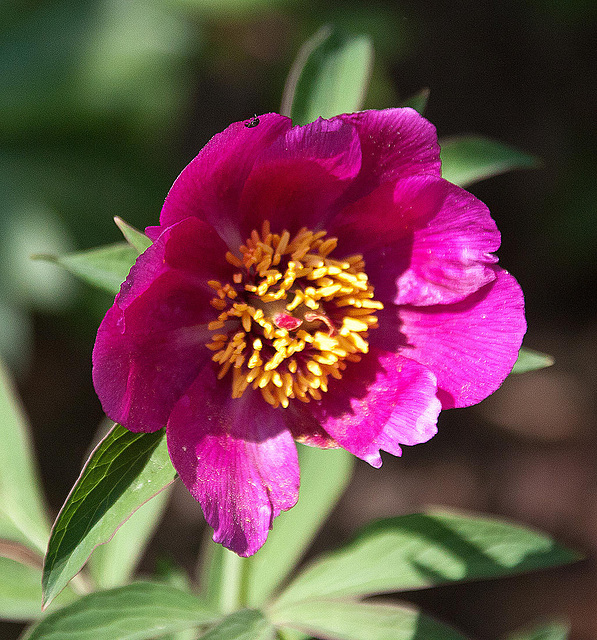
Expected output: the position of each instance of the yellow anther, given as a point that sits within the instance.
(354, 324)
(233, 260)
(246, 321)
(314, 368)
(293, 362)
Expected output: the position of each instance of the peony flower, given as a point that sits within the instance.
(320, 284)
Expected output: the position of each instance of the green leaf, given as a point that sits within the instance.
(294, 530)
(106, 267)
(22, 513)
(20, 583)
(169, 572)
(347, 620)
(133, 236)
(418, 102)
(330, 75)
(247, 624)
(113, 564)
(137, 611)
(20, 591)
(548, 631)
(123, 472)
(468, 159)
(286, 633)
(423, 550)
(531, 360)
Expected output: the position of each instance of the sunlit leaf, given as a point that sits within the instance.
(247, 624)
(555, 630)
(133, 236)
(20, 591)
(169, 572)
(22, 513)
(468, 159)
(124, 471)
(531, 360)
(113, 564)
(347, 620)
(286, 633)
(20, 583)
(106, 267)
(294, 530)
(134, 612)
(330, 75)
(423, 550)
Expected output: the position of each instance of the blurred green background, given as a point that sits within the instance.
(102, 103)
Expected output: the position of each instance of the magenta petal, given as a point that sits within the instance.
(191, 247)
(451, 256)
(389, 214)
(237, 459)
(395, 143)
(297, 180)
(151, 343)
(383, 401)
(425, 240)
(210, 186)
(471, 345)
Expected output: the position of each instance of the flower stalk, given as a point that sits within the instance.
(233, 584)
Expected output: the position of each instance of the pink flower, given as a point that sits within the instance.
(321, 284)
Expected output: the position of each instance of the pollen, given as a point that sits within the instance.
(291, 317)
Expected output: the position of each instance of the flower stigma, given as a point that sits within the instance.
(292, 316)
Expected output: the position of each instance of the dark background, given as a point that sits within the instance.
(103, 102)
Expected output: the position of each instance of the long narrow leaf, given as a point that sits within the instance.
(423, 550)
(468, 159)
(123, 472)
(22, 513)
(20, 587)
(135, 612)
(247, 624)
(531, 360)
(294, 530)
(329, 76)
(346, 620)
(105, 267)
(20, 590)
(133, 236)
(113, 564)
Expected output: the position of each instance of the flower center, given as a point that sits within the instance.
(292, 316)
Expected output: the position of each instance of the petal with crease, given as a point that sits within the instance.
(237, 459)
(425, 240)
(296, 181)
(395, 143)
(382, 402)
(151, 344)
(209, 187)
(471, 345)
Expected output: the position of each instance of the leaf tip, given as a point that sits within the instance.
(48, 257)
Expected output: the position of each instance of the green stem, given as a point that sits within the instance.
(233, 584)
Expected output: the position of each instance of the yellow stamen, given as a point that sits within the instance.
(294, 316)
